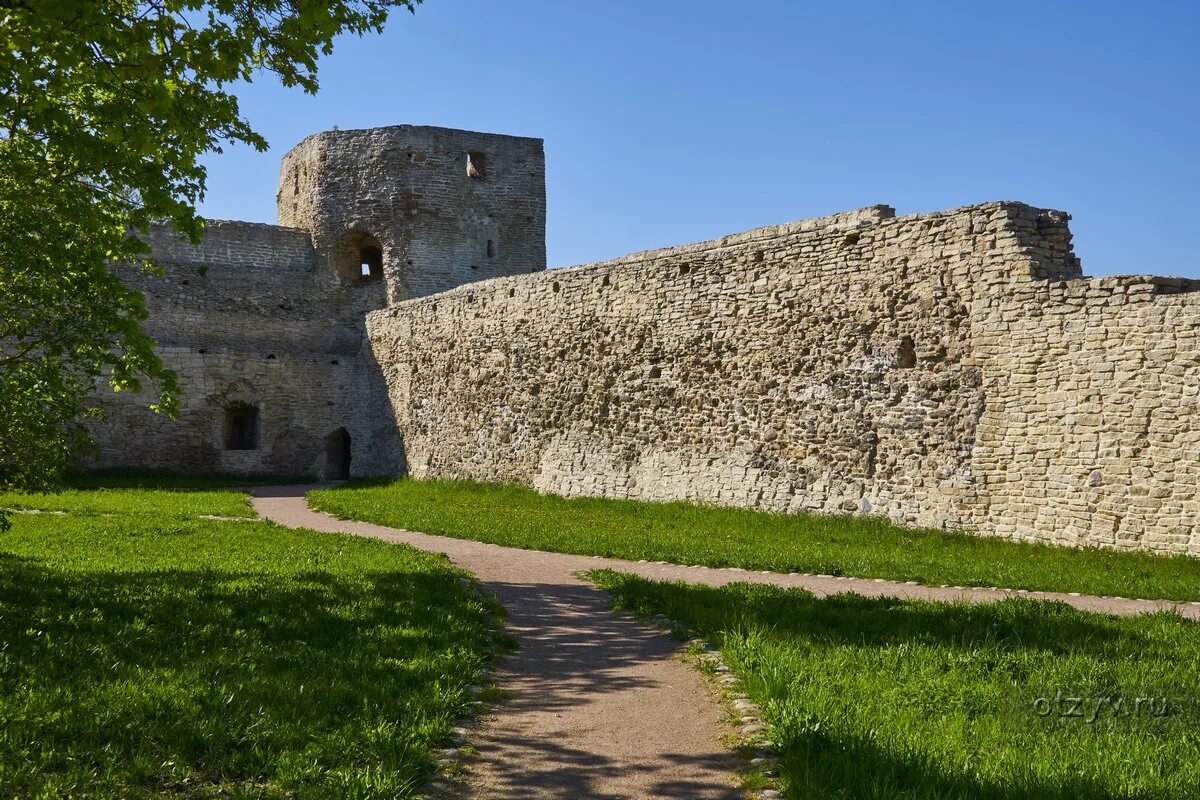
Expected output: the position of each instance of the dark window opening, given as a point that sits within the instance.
(491, 249)
(358, 257)
(906, 355)
(370, 262)
(241, 427)
(476, 165)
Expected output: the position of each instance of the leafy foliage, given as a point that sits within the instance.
(106, 107)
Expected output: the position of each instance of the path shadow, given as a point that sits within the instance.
(573, 650)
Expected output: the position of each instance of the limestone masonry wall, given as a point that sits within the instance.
(952, 369)
(1090, 434)
(243, 322)
(263, 324)
(947, 369)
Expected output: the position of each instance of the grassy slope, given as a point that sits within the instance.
(154, 654)
(877, 698)
(691, 534)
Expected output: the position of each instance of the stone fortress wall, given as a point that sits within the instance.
(1091, 430)
(268, 320)
(952, 369)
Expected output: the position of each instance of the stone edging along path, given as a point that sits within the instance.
(600, 706)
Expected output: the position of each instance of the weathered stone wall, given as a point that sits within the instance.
(951, 369)
(826, 366)
(408, 187)
(241, 318)
(270, 317)
(1090, 433)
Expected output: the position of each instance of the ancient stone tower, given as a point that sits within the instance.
(264, 324)
(420, 209)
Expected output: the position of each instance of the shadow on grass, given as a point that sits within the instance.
(127, 684)
(817, 667)
(1014, 624)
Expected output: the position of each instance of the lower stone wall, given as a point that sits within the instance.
(243, 321)
(949, 370)
(303, 398)
(1090, 434)
(821, 366)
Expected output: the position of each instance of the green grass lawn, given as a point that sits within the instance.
(872, 698)
(134, 502)
(867, 547)
(127, 478)
(147, 652)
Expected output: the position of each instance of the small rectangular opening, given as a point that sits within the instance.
(491, 249)
(241, 427)
(370, 263)
(476, 164)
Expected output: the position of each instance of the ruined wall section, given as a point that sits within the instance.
(825, 365)
(447, 207)
(1089, 437)
(242, 319)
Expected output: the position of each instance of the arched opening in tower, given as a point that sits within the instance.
(358, 257)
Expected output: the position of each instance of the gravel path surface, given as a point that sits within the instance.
(601, 709)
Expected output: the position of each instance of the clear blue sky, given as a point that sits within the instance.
(668, 122)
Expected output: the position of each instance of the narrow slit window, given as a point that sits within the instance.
(370, 263)
(491, 249)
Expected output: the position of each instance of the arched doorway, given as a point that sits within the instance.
(337, 455)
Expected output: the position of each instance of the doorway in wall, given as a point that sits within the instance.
(337, 455)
